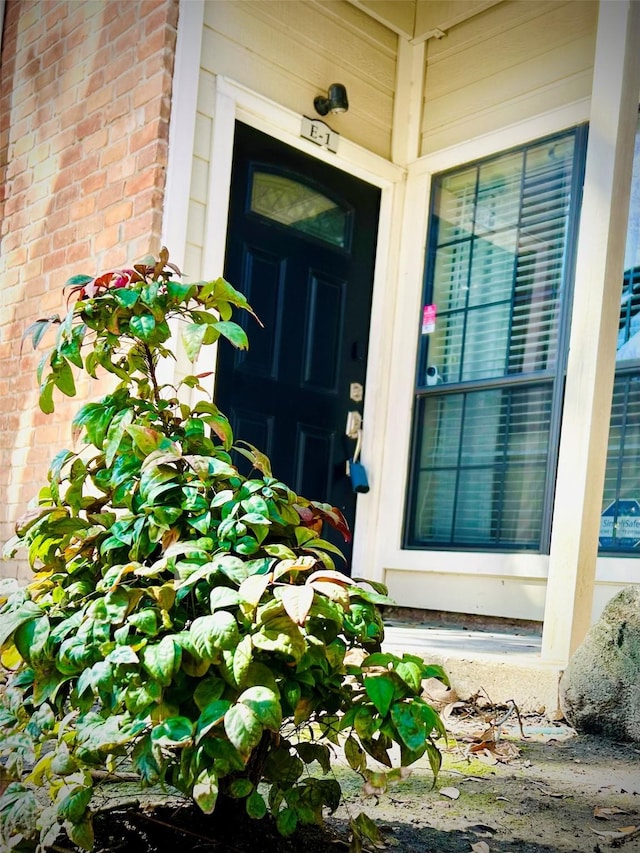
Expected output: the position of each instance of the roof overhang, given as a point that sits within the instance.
(419, 20)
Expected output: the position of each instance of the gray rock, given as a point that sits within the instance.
(600, 688)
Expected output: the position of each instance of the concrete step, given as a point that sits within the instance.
(502, 663)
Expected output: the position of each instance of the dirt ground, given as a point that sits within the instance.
(552, 790)
(529, 785)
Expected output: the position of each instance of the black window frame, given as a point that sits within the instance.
(556, 376)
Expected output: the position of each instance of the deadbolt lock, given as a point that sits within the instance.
(356, 392)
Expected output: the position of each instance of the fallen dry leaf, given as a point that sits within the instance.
(486, 757)
(617, 833)
(490, 751)
(451, 793)
(549, 793)
(481, 847)
(607, 813)
(448, 711)
(437, 693)
(480, 737)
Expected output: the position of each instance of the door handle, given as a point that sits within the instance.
(354, 424)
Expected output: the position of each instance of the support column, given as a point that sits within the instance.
(594, 324)
(407, 111)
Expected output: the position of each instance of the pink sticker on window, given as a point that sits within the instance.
(428, 319)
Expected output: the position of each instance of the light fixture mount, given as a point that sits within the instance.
(335, 102)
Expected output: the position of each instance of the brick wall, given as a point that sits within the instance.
(84, 119)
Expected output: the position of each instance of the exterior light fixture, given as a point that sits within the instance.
(335, 102)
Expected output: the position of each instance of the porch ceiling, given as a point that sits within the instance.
(419, 20)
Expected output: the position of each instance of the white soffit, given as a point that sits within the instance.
(419, 20)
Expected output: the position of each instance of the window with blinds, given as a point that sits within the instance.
(490, 366)
(620, 522)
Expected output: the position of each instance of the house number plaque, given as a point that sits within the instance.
(317, 131)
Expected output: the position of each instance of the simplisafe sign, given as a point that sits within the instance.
(620, 525)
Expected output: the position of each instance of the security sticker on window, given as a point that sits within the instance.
(428, 319)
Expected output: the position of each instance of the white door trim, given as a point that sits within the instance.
(182, 127)
(182, 131)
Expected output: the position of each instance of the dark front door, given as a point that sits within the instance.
(301, 246)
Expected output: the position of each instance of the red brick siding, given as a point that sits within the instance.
(84, 121)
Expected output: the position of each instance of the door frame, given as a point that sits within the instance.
(233, 101)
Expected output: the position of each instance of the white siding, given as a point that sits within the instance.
(514, 61)
(504, 597)
(291, 51)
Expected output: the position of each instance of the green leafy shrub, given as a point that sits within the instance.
(185, 622)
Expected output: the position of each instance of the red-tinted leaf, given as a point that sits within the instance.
(314, 514)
